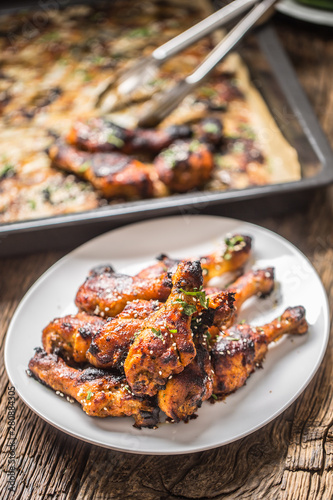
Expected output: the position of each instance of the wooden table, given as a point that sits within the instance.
(290, 458)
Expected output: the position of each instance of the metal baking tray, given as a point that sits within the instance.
(276, 80)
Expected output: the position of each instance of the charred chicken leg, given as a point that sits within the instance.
(233, 255)
(101, 393)
(185, 165)
(101, 135)
(165, 344)
(106, 293)
(240, 349)
(114, 175)
(185, 391)
(71, 335)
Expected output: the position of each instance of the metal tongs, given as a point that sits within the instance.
(146, 67)
(163, 104)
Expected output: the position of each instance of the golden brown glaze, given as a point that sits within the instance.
(114, 175)
(71, 335)
(101, 135)
(165, 344)
(106, 293)
(101, 393)
(110, 345)
(240, 349)
(185, 391)
(185, 165)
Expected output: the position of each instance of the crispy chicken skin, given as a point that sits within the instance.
(185, 165)
(240, 349)
(71, 335)
(114, 175)
(185, 391)
(101, 393)
(101, 135)
(110, 345)
(106, 293)
(165, 344)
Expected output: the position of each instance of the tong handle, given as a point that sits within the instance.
(229, 42)
(203, 28)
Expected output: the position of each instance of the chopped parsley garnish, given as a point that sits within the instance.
(194, 146)
(139, 32)
(89, 395)
(84, 167)
(214, 396)
(157, 333)
(188, 309)
(200, 295)
(247, 131)
(7, 170)
(208, 91)
(211, 128)
(232, 338)
(170, 157)
(116, 141)
(231, 243)
(238, 147)
(242, 322)
(173, 331)
(279, 318)
(32, 204)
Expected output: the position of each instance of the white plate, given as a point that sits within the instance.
(289, 366)
(305, 13)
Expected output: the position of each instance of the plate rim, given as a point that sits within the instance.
(306, 12)
(92, 242)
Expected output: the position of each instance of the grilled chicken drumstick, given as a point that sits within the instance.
(114, 175)
(232, 256)
(258, 282)
(106, 293)
(242, 348)
(101, 393)
(185, 391)
(105, 343)
(109, 347)
(101, 135)
(165, 344)
(71, 335)
(185, 165)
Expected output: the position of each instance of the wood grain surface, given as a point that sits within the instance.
(290, 458)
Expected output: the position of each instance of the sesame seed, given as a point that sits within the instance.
(160, 372)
